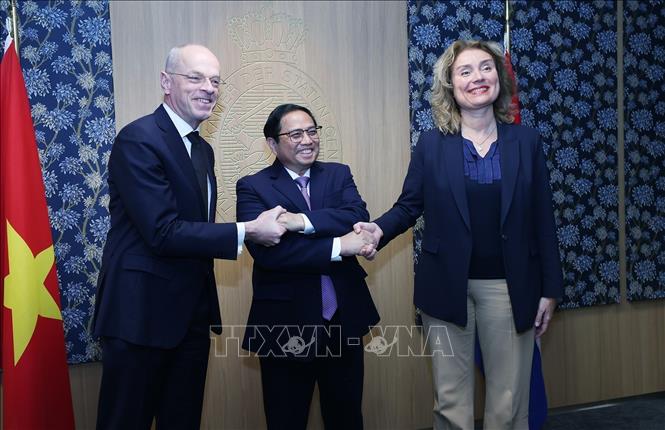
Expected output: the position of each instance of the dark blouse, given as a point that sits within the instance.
(483, 190)
(483, 170)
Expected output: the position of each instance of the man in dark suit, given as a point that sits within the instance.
(157, 299)
(311, 305)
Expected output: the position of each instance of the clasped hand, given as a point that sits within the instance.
(270, 225)
(291, 221)
(363, 240)
(265, 229)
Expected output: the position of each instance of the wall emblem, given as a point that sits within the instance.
(270, 75)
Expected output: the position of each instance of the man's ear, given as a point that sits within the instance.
(165, 82)
(272, 143)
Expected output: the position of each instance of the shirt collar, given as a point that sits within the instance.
(472, 154)
(180, 124)
(294, 175)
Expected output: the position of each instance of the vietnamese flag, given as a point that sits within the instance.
(35, 378)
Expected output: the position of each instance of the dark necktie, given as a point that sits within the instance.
(328, 296)
(200, 163)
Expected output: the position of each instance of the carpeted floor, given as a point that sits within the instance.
(645, 412)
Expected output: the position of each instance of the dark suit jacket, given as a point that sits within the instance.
(286, 278)
(158, 258)
(434, 187)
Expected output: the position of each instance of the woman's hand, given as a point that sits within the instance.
(544, 315)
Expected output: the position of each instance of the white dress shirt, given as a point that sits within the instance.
(309, 228)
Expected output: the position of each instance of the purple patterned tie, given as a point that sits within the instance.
(328, 296)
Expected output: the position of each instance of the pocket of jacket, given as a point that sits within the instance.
(273, 292)
(144, 263)
(431, 244)
(533, 250)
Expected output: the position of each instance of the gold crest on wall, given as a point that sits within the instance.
(270, 74)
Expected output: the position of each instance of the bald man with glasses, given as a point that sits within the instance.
(157, 300)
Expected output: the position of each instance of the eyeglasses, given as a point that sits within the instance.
(196, 79)
(298, 134)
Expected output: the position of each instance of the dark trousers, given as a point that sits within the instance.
(140, 383)
(288, 386)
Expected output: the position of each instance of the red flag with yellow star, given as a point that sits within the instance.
(35, 379)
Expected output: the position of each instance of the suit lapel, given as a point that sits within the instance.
(287, 186)
(213, 182)
(453, 162)
(510, 163)
(317, 185)
(213, 195)
(178, 150)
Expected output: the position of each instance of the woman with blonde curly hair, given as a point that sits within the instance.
(490, 261)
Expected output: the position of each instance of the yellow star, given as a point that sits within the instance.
(25, 293)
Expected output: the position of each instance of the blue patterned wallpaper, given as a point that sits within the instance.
(564, 57)
(66, 57)
(644, 86)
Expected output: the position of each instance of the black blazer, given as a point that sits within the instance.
(286, 278)
(158, 257)
(434, 187)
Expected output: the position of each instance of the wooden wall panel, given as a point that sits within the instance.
(605, 352)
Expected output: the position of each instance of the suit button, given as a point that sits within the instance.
(504, 237)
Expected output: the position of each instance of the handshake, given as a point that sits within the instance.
(268, 228)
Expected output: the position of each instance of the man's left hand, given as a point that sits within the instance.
(291, 221)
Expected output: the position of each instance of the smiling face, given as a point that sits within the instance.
(297, 157)
(193, 102)
(475, 80)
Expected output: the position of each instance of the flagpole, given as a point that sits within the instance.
(14, 25)
(506, 34)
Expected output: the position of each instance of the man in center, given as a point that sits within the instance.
(311, 305)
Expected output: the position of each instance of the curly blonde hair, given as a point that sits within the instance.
(445, 111)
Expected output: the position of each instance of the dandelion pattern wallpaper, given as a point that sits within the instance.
(644, 85)
(66, 58)
(564, 58)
